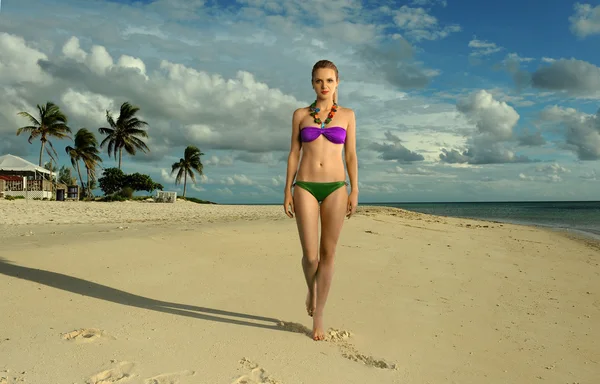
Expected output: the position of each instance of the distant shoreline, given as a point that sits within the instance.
(92, 212)
(393, 204)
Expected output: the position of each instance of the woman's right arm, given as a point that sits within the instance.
(295, 147)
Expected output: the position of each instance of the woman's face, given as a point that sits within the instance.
(324, 82)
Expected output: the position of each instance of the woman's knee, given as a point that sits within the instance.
(310, 258)
(327, 253)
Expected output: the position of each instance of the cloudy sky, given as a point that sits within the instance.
(455, 100)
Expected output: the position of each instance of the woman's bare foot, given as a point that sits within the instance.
(318, 333)
(311, 303)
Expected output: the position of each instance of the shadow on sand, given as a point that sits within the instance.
(103, 292)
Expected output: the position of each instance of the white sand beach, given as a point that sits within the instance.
(186, 293)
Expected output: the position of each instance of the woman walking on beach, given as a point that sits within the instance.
(321, 131)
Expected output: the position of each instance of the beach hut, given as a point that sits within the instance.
(22, 178)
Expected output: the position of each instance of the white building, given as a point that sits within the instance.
(19, 177)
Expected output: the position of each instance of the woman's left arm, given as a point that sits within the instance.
(351, 162)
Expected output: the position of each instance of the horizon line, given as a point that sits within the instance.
(445, 202)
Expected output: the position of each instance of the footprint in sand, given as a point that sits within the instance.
(350, 353)
(122, 371)
(169, 378)
(340, 338)
(8, 377)
(85, 335)
(257, 374)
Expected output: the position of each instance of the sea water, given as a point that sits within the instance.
(575, 216)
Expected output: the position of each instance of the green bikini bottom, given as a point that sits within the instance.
(320, 190)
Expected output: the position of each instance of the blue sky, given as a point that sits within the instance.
(455, 100)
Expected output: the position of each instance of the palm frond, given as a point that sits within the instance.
(32, 119)
(110, 120)
(179, 175)
(51, 147)
(190, 173)
(175, 166)
(139, 144)
(33, 131)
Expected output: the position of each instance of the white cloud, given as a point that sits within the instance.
(237, 180)
(581, 130)
(593, 175)
(178, 9)
(99, 60)
(494, 123)
(553, 168)
(278, 180)
(87, 106)
(483, 48)
(556, 113)
(515, 57)
(547, 178)
(377, 188)
(225, 191)
(18, 62)
(586, 20)
(425, 3)
(420, 25)
(224, 161)
(197, 188)
(72, 50)
(144, 30)
(11, 103)
(426, 172)
(550, 173)
(491, 117)
(575, 77)
(167, 177)
(126, 61)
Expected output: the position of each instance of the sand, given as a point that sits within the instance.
(186, 293)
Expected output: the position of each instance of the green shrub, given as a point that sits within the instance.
(114, 181)
(126, 192)
(115, 197)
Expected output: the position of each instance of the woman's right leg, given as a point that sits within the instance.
(306, 208)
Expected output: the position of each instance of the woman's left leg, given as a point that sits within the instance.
(333, 212)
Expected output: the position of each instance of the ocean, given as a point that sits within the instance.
(582, 217)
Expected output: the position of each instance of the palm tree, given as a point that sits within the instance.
(86, 150)
(191, 162)
(51, 123)
(124, 132)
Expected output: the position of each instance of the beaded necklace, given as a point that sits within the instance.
(314, 113)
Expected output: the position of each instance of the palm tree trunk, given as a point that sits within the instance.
(184, 183)
(42, 152)
(120, 156)
(89, 183)
(80, 178)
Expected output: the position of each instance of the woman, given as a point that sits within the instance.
(321, 131)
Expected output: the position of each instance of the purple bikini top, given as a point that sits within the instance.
(336, 135)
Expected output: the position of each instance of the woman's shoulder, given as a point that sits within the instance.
(345, 111)
(301, 112)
